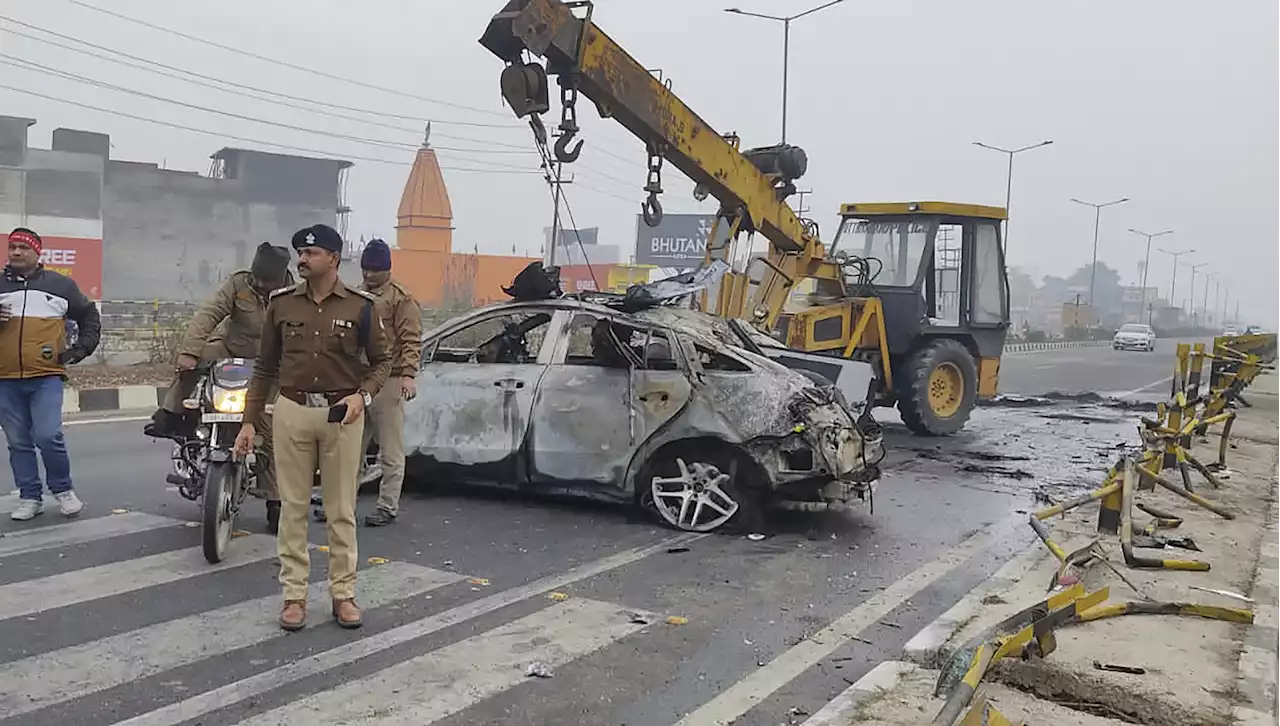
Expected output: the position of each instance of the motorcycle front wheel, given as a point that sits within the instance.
(217, 522)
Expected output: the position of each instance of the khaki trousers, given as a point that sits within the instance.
(307, 442)
(386, 424)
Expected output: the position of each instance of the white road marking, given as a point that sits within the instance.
(234, 693)
(1152, 384)
(70, 588)
(760, 684)
(76, 671)
(441, 683)
(79, 532)
(114, 419)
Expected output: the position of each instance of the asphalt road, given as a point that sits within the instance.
(115, 617)
(1110, 373)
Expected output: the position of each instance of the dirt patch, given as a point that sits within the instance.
(98, 375)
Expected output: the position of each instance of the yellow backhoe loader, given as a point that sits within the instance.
(916, 289)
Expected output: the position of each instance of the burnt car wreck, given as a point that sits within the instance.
(629, 399)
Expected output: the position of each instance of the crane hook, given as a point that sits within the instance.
(563, 152)
(651, 210)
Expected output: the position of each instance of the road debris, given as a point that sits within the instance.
(755, 536)
(1114, 668)
(538, 669)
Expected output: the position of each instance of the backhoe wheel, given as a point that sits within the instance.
(937, 388)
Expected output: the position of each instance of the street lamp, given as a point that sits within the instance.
(1173, 282)
(1146, 261)
(1097, 216)
(1191, 299)
(786, 45)
(1204, 305)
(1008, 182)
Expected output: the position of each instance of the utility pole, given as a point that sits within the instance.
(556, 181)
(1097, 217)
(1008, 183)
(1146, 261)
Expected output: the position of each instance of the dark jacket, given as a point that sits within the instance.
(33, 342)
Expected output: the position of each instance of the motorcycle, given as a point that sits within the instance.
(204, 467)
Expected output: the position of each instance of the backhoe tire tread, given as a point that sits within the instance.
(913, 388)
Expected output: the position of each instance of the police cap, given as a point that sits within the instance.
(318, 235)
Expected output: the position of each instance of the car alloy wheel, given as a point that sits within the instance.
(699, 499)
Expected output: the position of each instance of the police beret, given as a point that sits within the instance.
(318, 235)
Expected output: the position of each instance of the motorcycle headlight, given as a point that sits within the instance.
(228, 401)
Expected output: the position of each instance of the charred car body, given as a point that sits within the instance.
(672, 409)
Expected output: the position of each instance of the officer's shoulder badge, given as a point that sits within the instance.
(283, 290)
(364, 294)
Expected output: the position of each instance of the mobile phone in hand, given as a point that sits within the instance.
(337, 412)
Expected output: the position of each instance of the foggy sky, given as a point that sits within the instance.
(1173, 104)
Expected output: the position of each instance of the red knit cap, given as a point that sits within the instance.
(29, 239)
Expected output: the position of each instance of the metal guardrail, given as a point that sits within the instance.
(1054, 345)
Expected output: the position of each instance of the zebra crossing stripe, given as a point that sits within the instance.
(79, 532)
(248, 688)
(79, 670)
(430, 687)
(72, 588)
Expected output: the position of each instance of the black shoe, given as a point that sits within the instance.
(273, 517)
(379, 518)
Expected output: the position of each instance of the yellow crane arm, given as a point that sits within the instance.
(587, 60)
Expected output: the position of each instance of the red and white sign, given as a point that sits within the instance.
(77, 258)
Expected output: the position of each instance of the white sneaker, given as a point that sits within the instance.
(69, 503)
(27, 509)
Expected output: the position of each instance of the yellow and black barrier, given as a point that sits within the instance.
(1032, 640)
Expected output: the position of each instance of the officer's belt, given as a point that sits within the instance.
(314, 399)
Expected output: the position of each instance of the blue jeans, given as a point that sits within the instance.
(31, 416)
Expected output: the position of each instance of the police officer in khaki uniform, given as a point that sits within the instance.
(402, 318)
(326, 350)
(228, 325)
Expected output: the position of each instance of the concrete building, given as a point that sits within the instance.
(138, 232)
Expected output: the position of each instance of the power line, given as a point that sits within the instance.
(324, 105)
(28, 65)
(276, 61)
(211, 82)
(246, 139)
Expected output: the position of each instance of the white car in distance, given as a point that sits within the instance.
(1134, 336)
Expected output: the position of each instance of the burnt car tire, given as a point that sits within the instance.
(681, 476)
(937, 388)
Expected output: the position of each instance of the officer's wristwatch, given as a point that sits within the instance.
(364, 396)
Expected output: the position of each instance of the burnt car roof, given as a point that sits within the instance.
(710, 328)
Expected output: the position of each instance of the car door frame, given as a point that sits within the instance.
(518, 384)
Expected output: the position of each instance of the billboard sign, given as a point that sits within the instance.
(679, 241)
(78, 258)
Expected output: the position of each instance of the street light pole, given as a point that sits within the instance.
(1097, 219)
(1146, 262)
(1173, 282)
(1191, 299)
(786, 45)
(1008, 182)
(1204, 305)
